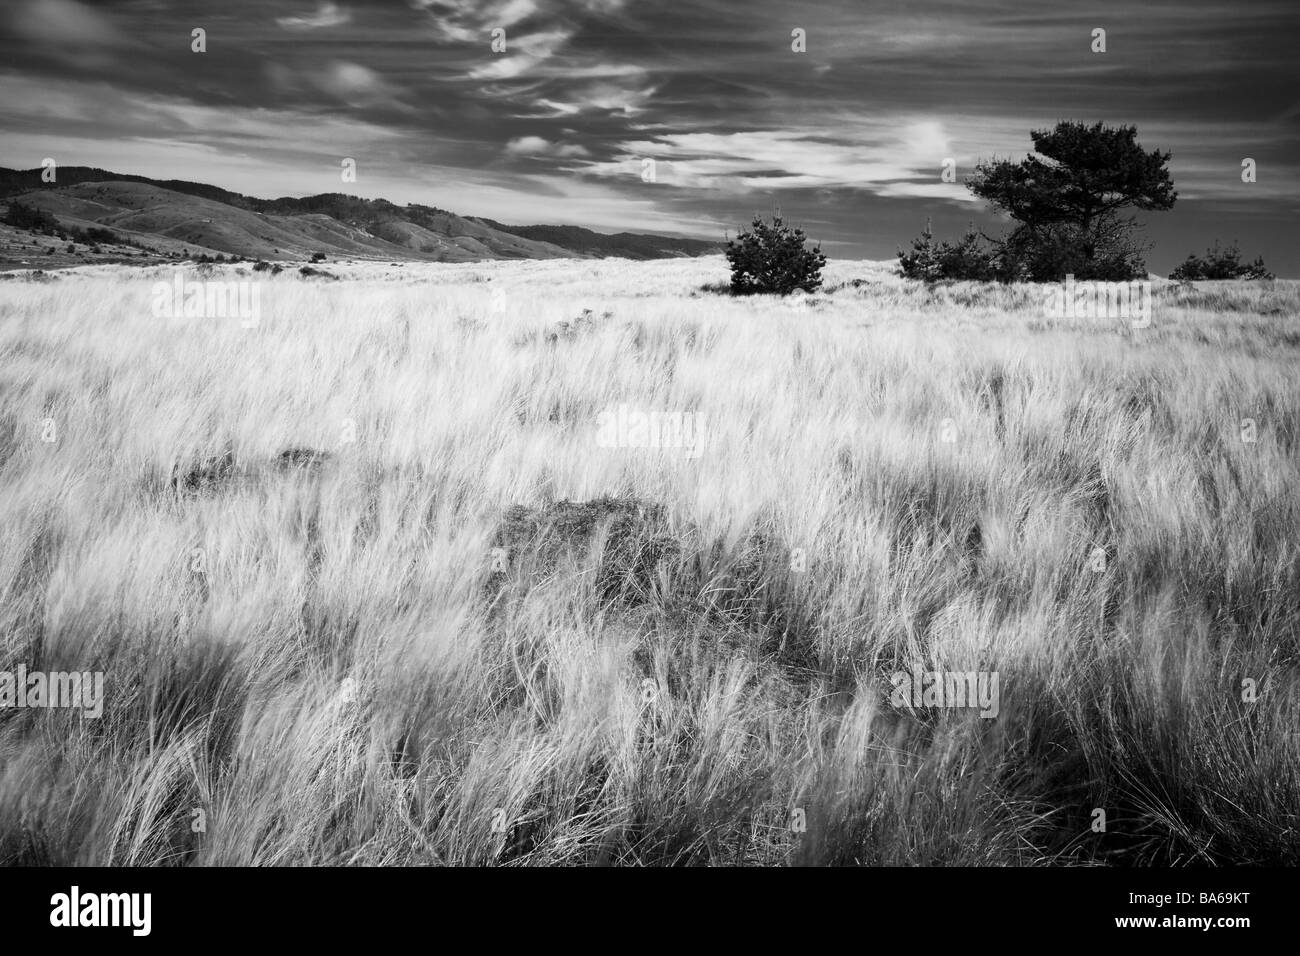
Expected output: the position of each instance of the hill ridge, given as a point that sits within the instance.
(213, 219)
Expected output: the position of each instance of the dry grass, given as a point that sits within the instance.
(353, 676)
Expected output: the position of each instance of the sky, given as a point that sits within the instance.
(847, 136)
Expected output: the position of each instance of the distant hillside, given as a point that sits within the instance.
(627, 245)
(14, 181)
(176, 217)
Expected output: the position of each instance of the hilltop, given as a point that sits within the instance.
(123, 217)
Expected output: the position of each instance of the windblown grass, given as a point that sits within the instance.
(473, 636)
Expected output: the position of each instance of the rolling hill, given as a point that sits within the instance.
(179, 218)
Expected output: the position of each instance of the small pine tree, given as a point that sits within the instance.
(967, 259)
(771, 258)
(929, 261)
(1220, 263)
(922, 262)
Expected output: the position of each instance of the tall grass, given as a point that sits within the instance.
(409, 650)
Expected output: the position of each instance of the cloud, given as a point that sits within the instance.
(609, 97)
(887, 156)
(327, 14)
(351, 83)
(473, 22)
(537, 146)
(522, 55)
(68, 31)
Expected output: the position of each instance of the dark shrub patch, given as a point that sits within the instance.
(206, 474)
(302, 458)
(771, 258)
(530, 542)
(1220, 263)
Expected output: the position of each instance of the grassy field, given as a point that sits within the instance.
(367, 586)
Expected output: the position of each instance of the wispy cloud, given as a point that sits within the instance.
(327, 15)
(536, 146)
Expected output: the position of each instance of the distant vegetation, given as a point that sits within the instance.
(625, 245)
(772, 258)
(1221, 263)
(22, 216)
(1067, 202)
(932, 261)
(39, 222)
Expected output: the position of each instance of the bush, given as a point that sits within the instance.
(1110, 250)
(21, 216)
(1221, 263)
(96, 235)
(318, 257)
(965, 259)
(771, 257)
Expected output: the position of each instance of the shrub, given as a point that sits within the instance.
(1109, 250)
(966, 259)
(1221, 263)
(630, 536)
(318, 257)
(90, 237)
(21, 216)
(771, 257)
(922, 262)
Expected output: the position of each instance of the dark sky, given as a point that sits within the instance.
(849, 137)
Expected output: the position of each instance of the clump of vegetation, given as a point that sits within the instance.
(1067, 200)
(93, 236)
(301, 457)
(22, 216)
(932, 261)
(203, 474)
(630, 536)
(566, 330)
(307, 272)
(318, 257)
(772, 258)
(1220, 263)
